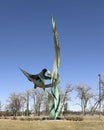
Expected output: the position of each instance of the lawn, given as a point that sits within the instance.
(8, 124)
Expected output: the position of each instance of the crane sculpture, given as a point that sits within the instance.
(53, 76)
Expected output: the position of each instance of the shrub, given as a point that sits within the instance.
(45, 118)
(29, 119)
(22, 118)
(5, 117)
(13, 118)
(60, 118)
(74, 118)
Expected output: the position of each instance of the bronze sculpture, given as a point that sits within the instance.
(53, 76)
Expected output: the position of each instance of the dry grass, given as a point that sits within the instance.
(8, 124)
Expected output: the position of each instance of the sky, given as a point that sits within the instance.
(26, 41)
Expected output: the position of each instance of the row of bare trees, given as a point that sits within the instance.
(32, 101)
(20, 103)
(35, 101)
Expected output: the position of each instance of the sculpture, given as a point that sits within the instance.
(53, 76)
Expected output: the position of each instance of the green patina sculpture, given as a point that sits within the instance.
(53, 76)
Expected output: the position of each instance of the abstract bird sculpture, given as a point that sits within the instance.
(53, 76)
(37, 77)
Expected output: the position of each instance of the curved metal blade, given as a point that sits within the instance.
(56, 51)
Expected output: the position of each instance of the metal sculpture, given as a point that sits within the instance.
(53, 76)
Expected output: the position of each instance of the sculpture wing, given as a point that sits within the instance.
(56, 52)
(26, 74)
(38, 84)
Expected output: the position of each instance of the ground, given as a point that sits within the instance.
(8, 124)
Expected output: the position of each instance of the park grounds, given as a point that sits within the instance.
(72, 122)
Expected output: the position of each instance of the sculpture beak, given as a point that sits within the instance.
(26, 74)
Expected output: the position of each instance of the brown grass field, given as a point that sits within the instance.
(8, 124)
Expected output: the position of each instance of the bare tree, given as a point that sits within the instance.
(45, 104)
(14, 103)
(26, 97)
(1, 106)
(22, 103)
(84, 95)
(33, 95)
(65, 97)
(38, 97)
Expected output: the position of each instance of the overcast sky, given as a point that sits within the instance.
(26, 41)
